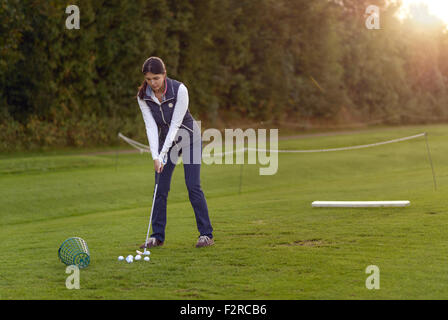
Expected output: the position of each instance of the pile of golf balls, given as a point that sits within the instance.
(130, 258)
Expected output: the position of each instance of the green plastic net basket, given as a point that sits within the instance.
(74, 251)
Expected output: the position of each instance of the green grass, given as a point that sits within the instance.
(269, 242)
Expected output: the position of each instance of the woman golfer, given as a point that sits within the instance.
(172, 131)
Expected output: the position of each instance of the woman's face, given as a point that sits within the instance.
(155, 81)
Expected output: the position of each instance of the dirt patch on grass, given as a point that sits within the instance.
(188, 293)
(307, 243)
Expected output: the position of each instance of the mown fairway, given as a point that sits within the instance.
(269, 242)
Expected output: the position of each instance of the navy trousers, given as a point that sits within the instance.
(192, 172)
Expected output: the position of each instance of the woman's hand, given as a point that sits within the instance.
(158, 166)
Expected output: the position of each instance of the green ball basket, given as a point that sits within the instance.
(74, 251)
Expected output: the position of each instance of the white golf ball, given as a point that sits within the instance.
(138, 257)
(129, 259)
(120, 258)
(146, 253)
(146, 258)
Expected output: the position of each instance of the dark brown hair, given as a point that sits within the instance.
(154, 65)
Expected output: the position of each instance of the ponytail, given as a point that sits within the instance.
(142, 90)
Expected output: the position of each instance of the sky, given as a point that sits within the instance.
(439, 8)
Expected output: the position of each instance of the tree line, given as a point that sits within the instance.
(243, 61)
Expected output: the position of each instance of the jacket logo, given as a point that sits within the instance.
(170, 105)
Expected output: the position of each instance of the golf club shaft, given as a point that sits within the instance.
(152, 207)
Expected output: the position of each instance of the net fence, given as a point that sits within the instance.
(144, 148)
